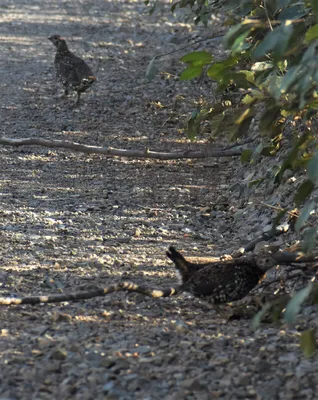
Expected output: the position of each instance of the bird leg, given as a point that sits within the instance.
(78, 98)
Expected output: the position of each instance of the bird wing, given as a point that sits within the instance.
(71, 70)
(82, 69)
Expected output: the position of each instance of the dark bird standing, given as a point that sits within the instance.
(71, 70)
(221, 283)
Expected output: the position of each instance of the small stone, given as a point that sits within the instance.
(108, 387)
(293, 384)
(193, 384)
(225, 382)
(239, 214)
(180, 326)
(262, 366)
(288, 358)
(267, 228)
(141, 349)
(59, 354)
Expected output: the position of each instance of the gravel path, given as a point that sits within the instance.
(69, 221)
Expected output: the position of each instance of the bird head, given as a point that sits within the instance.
(58, 41)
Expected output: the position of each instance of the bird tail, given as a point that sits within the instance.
(91, 78)
(88, 81)
(180, 262)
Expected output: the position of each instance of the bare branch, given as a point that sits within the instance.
(109, 151)
(279, 230)
(89, 294)
(251, 261)
(216, 35)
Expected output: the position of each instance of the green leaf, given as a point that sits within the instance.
(255, 182)
(248, 99)
(312, 168)
(314, 294)
(312, 33)
(239, 43)
(314, 5)
(309, 240)
(305, 214)
(193, 127)
(303, 87)
(242, 125)
(269, 151)
(243, 79)
(153, 8)
(291, 156)
(246, 114)
(246, 155)
(174, 6)
(235, 32)
(286, 32)
(269, 118)
(257, 94)
(295, 303)
(293, 75)
(278, 218)
(267, 44)
(303, 192)
(308, 342)
(197, 58)
(216, 70)
(258, 149)
(310, 54)
(275, 41)
(259, 316)
(190, 73)
(297, 11)
(283, 3)
(152, 70)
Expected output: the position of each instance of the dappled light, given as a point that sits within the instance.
(139, 257)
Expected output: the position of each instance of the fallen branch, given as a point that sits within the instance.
(109, 151)
(89, 294)
(279, 230)
(251, 261)
(286, 257)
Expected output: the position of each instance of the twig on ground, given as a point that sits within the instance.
(277, 208)
(279, 230)
(89, 294)
(109, 151)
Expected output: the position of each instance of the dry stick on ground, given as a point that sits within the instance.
(284, 258)
(279, 230)
(290, 213)
(108, 151)
(89, 294)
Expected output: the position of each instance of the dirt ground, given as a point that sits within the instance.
(69, 221)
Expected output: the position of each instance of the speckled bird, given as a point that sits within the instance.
(220, 283)
(71, 71)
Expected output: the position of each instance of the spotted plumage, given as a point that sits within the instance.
(71, 71)
(221, 283)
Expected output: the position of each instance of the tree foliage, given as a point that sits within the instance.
(272, 65)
